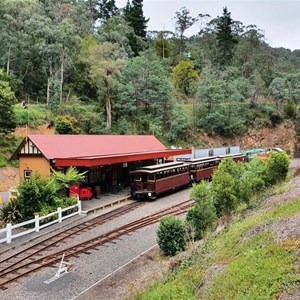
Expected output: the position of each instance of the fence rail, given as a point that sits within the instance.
(36, 221)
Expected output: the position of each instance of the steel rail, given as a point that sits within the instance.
(91, 244)
(53, 240)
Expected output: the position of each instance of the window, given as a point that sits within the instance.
(27, 174)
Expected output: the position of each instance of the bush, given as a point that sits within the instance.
(171, 235)
(277, 167)
(226, 186)
(35, 193)
(202, 218)
(66, 125)
(9, 213)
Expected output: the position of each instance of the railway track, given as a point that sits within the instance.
(32, 259)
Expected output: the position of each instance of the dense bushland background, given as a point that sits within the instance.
(93, 68)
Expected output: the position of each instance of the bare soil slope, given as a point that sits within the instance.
(9, 178)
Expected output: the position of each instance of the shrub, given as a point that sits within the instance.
(202, 218)
(171, 235)
(277, 167)
(226, 186)
(9, 213)
(66, 125)
(35, 193)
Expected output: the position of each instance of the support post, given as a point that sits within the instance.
(79, 207)
(59, 215)
(37, 222)
(8, 233)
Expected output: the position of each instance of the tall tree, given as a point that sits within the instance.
(106, 61)
(225, 37)
(134, 15)
(145, 88)
(107, 9)
(7, 100)
(183, 21)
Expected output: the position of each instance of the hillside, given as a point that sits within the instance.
(282, 136)
(260, 247)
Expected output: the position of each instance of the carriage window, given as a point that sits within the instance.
(137, 177)
(151, 177)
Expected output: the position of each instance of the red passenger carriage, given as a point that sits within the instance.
(150, 181)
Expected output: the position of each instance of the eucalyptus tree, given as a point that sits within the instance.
(7, 100)
(116, 30)
(163, 45)
(106, 61)
(14, 41)
(278, 89)
(144, 94)
(183, 21)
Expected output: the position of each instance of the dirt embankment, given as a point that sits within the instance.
(282, 136)
(9, 178)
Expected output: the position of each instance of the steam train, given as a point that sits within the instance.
(151, 181)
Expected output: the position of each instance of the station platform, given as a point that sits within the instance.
(105, 201)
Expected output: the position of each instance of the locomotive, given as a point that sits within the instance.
(151, 181)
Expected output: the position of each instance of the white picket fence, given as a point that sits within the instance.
(37, 227)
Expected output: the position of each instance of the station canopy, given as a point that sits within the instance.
(94, 150)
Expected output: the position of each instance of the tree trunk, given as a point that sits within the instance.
(61, 77)
(50, 75)
(107, 104)
(8, 63)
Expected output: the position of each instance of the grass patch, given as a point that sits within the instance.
(35, 115)
(253, 265)
(260, 270)
(176, 286)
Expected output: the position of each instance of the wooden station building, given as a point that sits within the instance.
(107, 158)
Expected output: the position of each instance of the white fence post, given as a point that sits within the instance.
(8, 233)
(37, 222)
(79, 207)
(59, 215)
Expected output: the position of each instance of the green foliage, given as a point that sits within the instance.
(290, 109)
(65, 180)
(262, 270)
(184, 77)
(34, 194)
(252, 266)
(7, 100)
(163, 46)
(8, 145)
(225, 37)
(226, 186)
(277, 167)
(66, 125)
(180, 124)
(134, 15)
(279, 90)
(202, 218)
(35, 115)
(171, 235)
(9, 213)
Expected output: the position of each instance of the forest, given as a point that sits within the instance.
(90, 67)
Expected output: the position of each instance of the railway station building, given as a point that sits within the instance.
(107, 158)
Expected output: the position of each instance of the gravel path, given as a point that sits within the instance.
(89, 269)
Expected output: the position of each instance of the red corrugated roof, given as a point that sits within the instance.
(81, 146)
